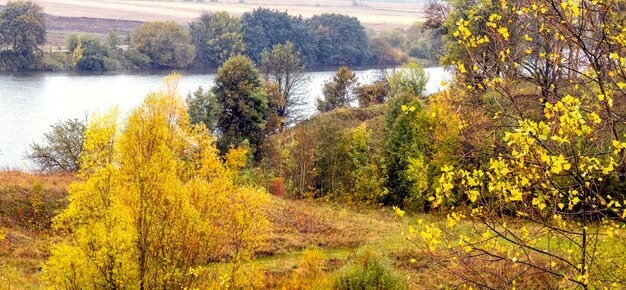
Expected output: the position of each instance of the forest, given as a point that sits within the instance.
(512, 176)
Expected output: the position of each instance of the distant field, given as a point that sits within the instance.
(375, 15)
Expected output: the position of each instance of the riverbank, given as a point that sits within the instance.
(31, 102)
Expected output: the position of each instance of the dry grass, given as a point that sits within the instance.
(27, 204)
(301, 224)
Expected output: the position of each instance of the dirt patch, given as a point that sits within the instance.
(59, 27)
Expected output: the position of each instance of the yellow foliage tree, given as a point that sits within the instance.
(540, 203)
(154, 204)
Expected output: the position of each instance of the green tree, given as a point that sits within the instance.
(283, 66)
(62, 148)
(340, 39)
(407, 143)
(264, 28)
(338, 91)
(113, 39)
(203, 108)
(366, 171)
(411, 79)
(167, 44)
(239, 91)
(22, 32)
(217, 37)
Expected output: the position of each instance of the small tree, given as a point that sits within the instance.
(239, 91)
(61, 149)
(338, 91)
(113, 39)
(203, 108)
(283, 66)
(410, 80)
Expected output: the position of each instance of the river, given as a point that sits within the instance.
(31, 103)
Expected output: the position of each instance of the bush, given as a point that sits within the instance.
(369, 272)
(310, 273)
(55, 61)
(89, 53)
(134, 59)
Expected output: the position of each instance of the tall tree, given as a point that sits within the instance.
(338, 91)
(283, 66)
(167, 44)
(239, 91)
(22, 32)
(217, 37)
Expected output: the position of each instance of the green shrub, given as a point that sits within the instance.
(369, 271)
(134, 59)
(55, 61)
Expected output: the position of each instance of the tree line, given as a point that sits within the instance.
(328, 39)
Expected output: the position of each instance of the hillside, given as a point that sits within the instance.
(28, 203)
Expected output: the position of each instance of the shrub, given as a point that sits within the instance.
(310, 273)
(136, 60)
(368, 271)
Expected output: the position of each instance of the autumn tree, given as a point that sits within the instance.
(217, 37)
(436, 13)
(283, 66)
(167, 44)
(22, 32)
(338, 91)
(543, 195)
(154, 206)
(239, 91)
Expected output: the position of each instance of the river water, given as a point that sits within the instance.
(30, 103)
